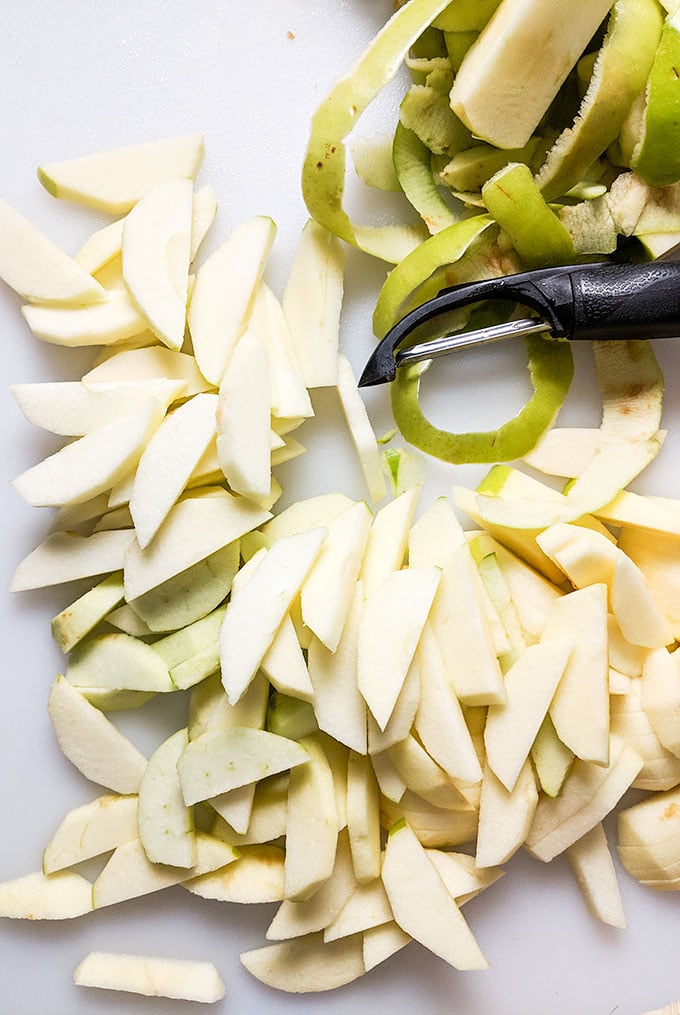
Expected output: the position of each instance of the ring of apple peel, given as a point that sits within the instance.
(551, 370)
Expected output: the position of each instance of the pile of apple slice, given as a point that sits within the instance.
(381, 710)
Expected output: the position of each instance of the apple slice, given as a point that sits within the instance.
(77, 620)
(151, 976)
(312, 816)
(243, 415)
(464, 880)
(592, 864)
(93, 463)
(294, 919)
(367, 907)
(226, 758)
(641, 621)
(504, 817)
(421, 904)
(312, 302)
(155, 363)
(338, 704)
(59, 896)
(167, 462)
(289, 396)
(403, 714)
(660, 696)
(530, 685)
(118, 662)
(223, 295)
(327, 591)
(363, 818)
(129, 874)
(403, 601)
(66, 557)
(102, 247)
(284, 664)
(305, 965)
(388, 539)
(114, 318)
(71, 409)
(91, 830)
(268, 815)
(156, 251)
(256, 877)
(91, 742)
(360, 429)
(381, 942)
(258, 608)
(115, 180)
(38, 269)
(424, 776)
(166, 824)
(432, 826)
(203, 211)
(196, 527)
(302, 515)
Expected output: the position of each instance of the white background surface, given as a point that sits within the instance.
(81, 76)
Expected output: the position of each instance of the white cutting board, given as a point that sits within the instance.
(81, 76)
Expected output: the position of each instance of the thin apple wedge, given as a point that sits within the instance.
(361, 430)
(156, 251)
(77, 620)
(114, 318)
(66, 557)
(595, 873)
(224, 292)
(305, 965)
(257, 609)
(93, 463)
(289, 396)
(118, 662)
(256, 877)
(38, 269)
(388, 540)
(91, 742)
(224, 759)
(60, 896)
(151, 976)
(306, 916)
(504, 817)
(383, 662)
(90, 830)
(426, 912)
(154, 363)
(363, 818)
(168, 461)
(367, 907)
(115, 180)
(166, 824)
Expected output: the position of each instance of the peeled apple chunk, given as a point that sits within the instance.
(511, 74)
(37, 268)
(115, 180)
(649, 840)
(151, 976)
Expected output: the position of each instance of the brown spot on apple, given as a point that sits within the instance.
(671, 812)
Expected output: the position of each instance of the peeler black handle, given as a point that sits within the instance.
(594, 301)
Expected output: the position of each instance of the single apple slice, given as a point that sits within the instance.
(166, 824)
(361, 430)
(258, 608)
(595, 873)
(168, 461)
(403, 715)
(388, 539)
(367, 907)
(338, 704)
(302, 515)
(243, 415)
(226, 758)
(60, 896)
(383, 941)
(91, 742)
(312, 816)
(224, 292)
(640, 619)
(115, 180)
(530, 685)
(77, 620)
(403, 601)
(93, 463)
(284, 664)
(118, 662)
(498, 93)
(267, 818)
(235, 806)
(464, 880)
(38, 269)
(289, 396)
(256, 877)
(421, 904)
(182, 646)
(504, 817)
(651, 514)
(434, 535)
(151, 976)
(67, 557)
(580, 706)
(129, 874)
(210, 708)
(71, 409)
(156, 251)
(656, 556)
(312, 301)
(294, 919)
(91, 830)
(432, 826)
(196, 527)
(327, 591)
(660, 696)
(306, 965)
(363, 819)
(155, 363)
(552, 760)
(102, 247)
(424, 776)
(113, 319)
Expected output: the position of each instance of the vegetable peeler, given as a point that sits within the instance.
(601, 301)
